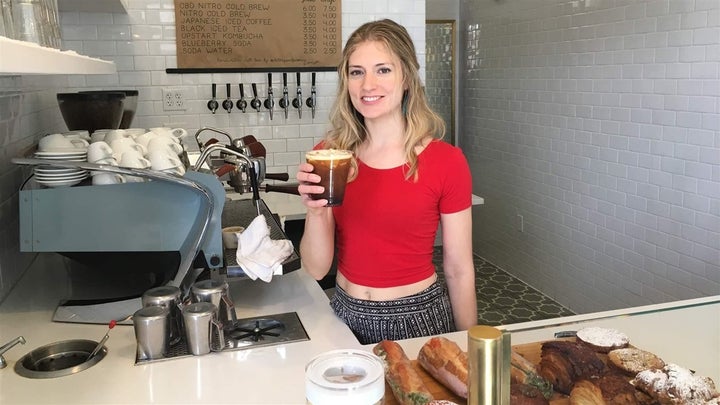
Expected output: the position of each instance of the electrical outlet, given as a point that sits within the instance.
(173, 100)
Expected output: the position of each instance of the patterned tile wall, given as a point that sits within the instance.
(142, 44)
(593, 131)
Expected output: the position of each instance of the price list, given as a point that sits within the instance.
(258, 34)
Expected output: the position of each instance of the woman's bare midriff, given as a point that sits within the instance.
(382, 294)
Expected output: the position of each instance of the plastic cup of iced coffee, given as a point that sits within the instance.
(333, 166)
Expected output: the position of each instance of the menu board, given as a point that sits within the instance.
(258, 33)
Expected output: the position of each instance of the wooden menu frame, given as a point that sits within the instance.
(257, 35)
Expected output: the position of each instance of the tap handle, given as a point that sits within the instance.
(269, 83)
(313, 80)
(242, 90)
(254, 88)
(285, 81)
(241, 103)
(227, 104)
(255, 102)
(297, 78)
(212, 104)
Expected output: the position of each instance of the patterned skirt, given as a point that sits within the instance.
(423, 314)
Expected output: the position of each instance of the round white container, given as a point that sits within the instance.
(346, 376)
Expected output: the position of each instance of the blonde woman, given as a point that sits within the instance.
(404, 182)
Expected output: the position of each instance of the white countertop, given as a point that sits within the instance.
(688, 335)
(248, 376)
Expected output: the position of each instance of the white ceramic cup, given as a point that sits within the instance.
(164, 143)
(134, 132)
(161, 160)
(176, 133)
(59, 143)
(114, 134)
(98, 151)
(122, 145)
(104, 178)
(145, 138)
(134, 160)
(78, 133)
(99, 135)
(230, 236)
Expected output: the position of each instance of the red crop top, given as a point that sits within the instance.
(386, 226)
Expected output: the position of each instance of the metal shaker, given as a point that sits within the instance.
(203, 331)
(217, 293)
(167, 297)
(489, 366)
(151, 332)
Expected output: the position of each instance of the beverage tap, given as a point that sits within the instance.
(284, 102)
(255, 102)
(297, 101)
(212, 105)
(269, 101)
(311, 101)
(241, 103)
(227, 104)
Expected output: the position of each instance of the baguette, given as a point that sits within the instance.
(523, 371)
(405, 383)
(444, 360)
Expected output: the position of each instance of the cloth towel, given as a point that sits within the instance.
(257, 254)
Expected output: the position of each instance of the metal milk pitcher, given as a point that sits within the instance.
(217, 293)
(167, 297)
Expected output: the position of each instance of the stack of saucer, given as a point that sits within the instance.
(51, 176)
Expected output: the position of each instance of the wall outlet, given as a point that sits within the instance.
(173, 100)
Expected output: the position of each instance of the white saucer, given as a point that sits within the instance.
(61, 183)
(68, 153)
(63, 176)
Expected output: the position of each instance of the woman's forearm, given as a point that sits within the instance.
(317, 246)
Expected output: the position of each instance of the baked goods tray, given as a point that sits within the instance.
(530, 351)
(241, 213)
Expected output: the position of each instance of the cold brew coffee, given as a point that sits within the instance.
(332, 166)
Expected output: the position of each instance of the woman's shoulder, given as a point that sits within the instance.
(439, 148)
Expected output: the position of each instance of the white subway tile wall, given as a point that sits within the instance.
(142, 44)
(592, 129)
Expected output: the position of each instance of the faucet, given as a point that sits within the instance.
(7, 347)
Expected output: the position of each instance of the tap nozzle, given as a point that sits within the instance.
(9, 345)
(298, 100)
(227, 103)
(212, 105)
(269, 101)
(241, 103)
(284, 101)
(311, 101)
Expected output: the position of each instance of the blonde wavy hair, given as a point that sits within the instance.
(348, 125)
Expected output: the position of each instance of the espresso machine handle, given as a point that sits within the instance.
(284, 188)
(277, 176)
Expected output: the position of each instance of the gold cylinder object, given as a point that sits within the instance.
(489, 366)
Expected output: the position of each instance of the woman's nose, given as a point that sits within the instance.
(369, 81)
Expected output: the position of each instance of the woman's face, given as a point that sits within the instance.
(375, 82)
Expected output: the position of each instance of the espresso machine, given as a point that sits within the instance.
(123, 239)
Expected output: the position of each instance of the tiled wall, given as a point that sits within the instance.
(439, 71)
(593, 131)
(142, 44)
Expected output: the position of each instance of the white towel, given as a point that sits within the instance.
(257, 254)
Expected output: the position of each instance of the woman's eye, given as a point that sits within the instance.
(355, 72)
(384, 70)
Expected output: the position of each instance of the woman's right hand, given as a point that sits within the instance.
(308, 185)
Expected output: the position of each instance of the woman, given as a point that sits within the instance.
(403, 182)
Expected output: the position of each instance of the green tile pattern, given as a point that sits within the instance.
(502, 298)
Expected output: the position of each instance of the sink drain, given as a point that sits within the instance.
(59, 359)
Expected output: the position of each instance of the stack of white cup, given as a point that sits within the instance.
(157, 149)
